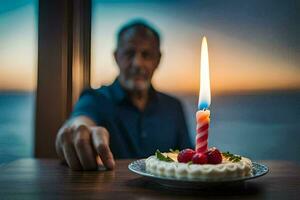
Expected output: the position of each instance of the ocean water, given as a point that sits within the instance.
(260, 126)
(16, 125)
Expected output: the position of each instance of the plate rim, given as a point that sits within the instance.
(164, 178)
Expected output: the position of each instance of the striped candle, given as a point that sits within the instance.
(202, 117)
(203, 114)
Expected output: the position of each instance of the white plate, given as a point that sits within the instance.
(138, 167)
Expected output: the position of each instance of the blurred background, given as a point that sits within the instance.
(18, 77)
(254, 51)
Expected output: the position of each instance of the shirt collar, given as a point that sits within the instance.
(119, 94)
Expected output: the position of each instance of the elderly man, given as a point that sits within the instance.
(129, 118)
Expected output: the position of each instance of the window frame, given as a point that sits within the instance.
(64, 46)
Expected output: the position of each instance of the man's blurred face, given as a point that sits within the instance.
(137, 56)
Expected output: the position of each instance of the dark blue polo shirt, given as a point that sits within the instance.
(135, 133)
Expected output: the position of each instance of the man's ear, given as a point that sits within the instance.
(158, 59)
(115, 55)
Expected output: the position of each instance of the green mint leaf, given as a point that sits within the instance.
(232, 157)
(189, 163)
(162, 157)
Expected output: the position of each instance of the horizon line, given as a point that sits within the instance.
(185, 92)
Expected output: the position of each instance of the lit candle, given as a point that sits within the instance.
(203, 114)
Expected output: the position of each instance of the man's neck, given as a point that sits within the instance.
(139, 99)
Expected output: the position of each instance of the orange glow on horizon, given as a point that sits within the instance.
(18, 49)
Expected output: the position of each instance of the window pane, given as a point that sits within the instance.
(18, 64)
(253, 47)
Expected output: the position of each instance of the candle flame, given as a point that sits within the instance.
(204, 93)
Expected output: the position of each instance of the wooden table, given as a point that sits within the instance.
(47, 179)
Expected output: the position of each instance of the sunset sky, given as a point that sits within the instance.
(253, 45)
(18, 44)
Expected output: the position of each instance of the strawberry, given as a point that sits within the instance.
(199, 158)
(214, 156)
(185, 155)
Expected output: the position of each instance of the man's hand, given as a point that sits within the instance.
(81, 146)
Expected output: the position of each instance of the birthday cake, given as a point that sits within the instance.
(203, 162)
(187, 164)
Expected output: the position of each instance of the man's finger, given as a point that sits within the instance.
(71, 157)
(100, 141)
(68, 151)
(58, 143)
(84, 149)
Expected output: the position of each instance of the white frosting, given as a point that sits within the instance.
(195, 171)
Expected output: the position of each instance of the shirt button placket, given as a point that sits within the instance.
(142, 127)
